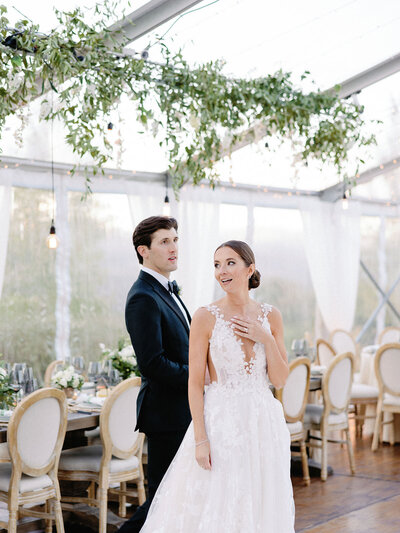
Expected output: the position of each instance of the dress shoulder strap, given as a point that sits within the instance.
(213, 309)
(266, 308)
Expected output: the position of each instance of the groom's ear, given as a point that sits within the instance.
(143, 250)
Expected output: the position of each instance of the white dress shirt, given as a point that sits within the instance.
(164, 282)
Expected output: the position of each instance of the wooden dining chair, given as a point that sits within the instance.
(293, 397)
(343, 341)
(35, 436)
(333, 414)
(387, 370)
(50, 370)
(389, 335)
(325, 352)
(117, 460)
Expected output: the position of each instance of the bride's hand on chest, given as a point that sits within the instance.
(250, 329)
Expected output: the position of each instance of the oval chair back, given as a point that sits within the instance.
(389, 335)
(36, 432)
(336, 383)
(325, 352)
(293, 395)
(50, 370)
(342, 341)
(387, 368)
(118, 420)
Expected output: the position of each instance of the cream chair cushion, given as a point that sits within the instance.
(339, 383)
(122, 420)
(389, 399)
(314, 413)
(390, 369)
(88, 458)
(40, 419)
(295, 427)
(27, 483)
(359, 391)
(293, 391)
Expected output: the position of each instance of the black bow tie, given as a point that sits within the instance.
(173, 287)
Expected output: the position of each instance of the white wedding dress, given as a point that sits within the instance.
(248, 489)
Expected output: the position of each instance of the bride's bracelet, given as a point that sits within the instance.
(201, 442)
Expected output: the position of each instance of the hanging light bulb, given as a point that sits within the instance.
(345, 202)
(52, 239)
(166, 206)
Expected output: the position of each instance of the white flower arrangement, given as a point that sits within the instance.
(67, 378)
(123, 358)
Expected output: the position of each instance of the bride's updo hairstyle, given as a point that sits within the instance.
(246, 253)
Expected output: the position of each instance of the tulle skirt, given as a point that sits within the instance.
(248, 489)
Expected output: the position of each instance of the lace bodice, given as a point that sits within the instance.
(228, 357)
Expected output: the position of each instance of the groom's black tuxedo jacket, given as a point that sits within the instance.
(160, 338)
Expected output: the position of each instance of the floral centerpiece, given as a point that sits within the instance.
(123, 358)
(7, 391)
(67, 380)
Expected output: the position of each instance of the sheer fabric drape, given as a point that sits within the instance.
(197, 213)
(5, 208)
(332, 244)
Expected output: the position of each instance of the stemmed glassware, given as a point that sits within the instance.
(94, 371)
(78, 363)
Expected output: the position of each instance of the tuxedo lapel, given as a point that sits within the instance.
(165, 295)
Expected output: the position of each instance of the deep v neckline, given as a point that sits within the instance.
(248, 363)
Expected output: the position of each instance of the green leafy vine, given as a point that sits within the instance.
(197, 114)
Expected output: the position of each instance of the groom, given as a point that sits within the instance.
(158, 324)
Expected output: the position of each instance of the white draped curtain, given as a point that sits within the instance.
(197, 213)
(5, 209)
(332, 244)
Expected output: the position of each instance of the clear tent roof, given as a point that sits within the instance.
(333, 40)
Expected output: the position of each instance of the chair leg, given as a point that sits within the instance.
(375, 440)
(91, 490)
(363, 409)
(12, 521)
(350, 451)
(391, 432)
(324, 461)
(140, 486)
(58, 517)
(49, 521)
(122, 500)
(102, 497)
(304, 462)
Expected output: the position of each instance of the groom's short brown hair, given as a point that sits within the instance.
(143, 234)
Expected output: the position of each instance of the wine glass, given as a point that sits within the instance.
(94, 370)
(78, 363)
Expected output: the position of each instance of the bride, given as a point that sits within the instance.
(232, 471)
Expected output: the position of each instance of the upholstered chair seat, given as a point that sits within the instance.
(295, 427)
(27, 483)
(89, 458)
(314, 413)
(361, 391)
